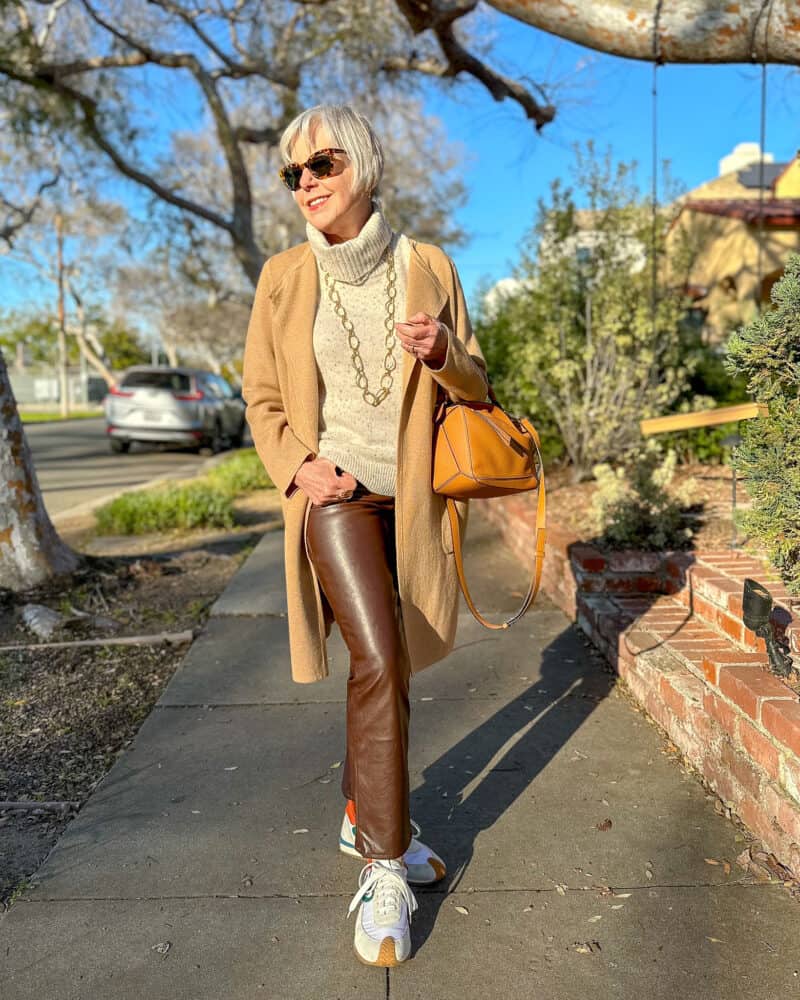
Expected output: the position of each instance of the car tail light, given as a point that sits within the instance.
(192, 397)
(115, 391)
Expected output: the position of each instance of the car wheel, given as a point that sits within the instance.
(237, 439)
(120, 447)
(215, 443)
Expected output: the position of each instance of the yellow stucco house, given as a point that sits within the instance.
(733, 235)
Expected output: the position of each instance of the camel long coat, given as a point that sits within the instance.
(280, 387)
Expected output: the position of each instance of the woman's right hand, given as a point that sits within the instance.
(317, 478)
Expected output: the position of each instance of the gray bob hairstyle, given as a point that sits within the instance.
(348, 130)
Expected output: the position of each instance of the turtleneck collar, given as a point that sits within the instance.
(352, 260)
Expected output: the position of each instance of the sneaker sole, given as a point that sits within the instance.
(387, 956)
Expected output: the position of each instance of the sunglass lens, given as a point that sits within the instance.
(291, 177)
(321, 166)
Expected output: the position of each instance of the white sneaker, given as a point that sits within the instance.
(385, 904)
(423, 863)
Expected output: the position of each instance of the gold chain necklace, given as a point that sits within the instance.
(390, 338)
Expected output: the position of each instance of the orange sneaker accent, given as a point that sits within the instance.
(350, 809)
(438, 868)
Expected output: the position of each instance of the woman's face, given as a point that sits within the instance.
(328, 203)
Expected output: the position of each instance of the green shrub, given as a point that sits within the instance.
(168, 508)
(632, 507)
(240, 473)
(767, 353)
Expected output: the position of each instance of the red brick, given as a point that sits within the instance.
(702, 725)
(751, 812)
(631, 561)
(677, 564)
(782, 720)
(741, 767)
(588, 558)
(681, 691)
(720, 779)
(762, 751)
(735, 605)
(787, 814)
(711, 664)
(750, 687)
(656, 708)
(729, 625)
(721, 711)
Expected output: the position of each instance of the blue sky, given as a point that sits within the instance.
(703, 111)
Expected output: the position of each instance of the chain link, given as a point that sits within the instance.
(390, 338)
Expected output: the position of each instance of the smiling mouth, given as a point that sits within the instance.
(316, 202)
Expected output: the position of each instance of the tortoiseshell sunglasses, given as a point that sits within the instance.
(320, 164)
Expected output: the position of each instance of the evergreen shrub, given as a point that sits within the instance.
(767, 353)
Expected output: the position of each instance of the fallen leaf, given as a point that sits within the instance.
(715, 940)
(162, 947)
(622, 895)
(594, 919)
(462, 909)
(711, 861)
(726, 866)
(426, 698)
(302, 829)
(336, 763)
(605, 825)
(617, 906)
(561, 888)
(527, 909)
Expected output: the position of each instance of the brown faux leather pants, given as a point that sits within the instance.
(352, 545)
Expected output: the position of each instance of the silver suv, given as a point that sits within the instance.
(174, 406)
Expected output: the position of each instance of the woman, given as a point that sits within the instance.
(351, 337)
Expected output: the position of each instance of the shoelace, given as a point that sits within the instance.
(389, 881)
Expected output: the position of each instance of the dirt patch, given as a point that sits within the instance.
(709, 514)
(66, 714)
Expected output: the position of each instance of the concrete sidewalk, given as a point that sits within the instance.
(205, 864)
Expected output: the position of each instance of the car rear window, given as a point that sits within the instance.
(173, 381)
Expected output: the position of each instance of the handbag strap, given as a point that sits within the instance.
(541, 513)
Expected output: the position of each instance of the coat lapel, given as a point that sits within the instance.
(296, 300)
(295, 303)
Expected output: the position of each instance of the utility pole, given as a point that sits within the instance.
(63, 381)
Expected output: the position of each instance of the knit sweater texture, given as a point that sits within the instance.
(358, 437)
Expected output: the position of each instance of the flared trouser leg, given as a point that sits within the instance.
(352, 546)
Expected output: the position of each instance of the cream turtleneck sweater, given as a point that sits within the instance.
(361, 439)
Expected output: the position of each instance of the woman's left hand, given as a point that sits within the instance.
(425, 337)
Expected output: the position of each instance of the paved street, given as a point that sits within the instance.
(205, 864)
(74, 462)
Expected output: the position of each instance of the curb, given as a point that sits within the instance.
(183, 472)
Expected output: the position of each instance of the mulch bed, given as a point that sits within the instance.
(66, 714)
(709, 514)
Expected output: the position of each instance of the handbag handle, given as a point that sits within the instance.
(541, 512)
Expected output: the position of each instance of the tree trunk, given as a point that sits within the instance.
(689, 31)
(30, 549)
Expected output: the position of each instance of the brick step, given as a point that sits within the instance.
(710, 586)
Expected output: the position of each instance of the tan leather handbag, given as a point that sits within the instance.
(480, 450)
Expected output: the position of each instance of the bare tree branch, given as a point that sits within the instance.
(18, 216)
(684, 31)
(440, 18)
